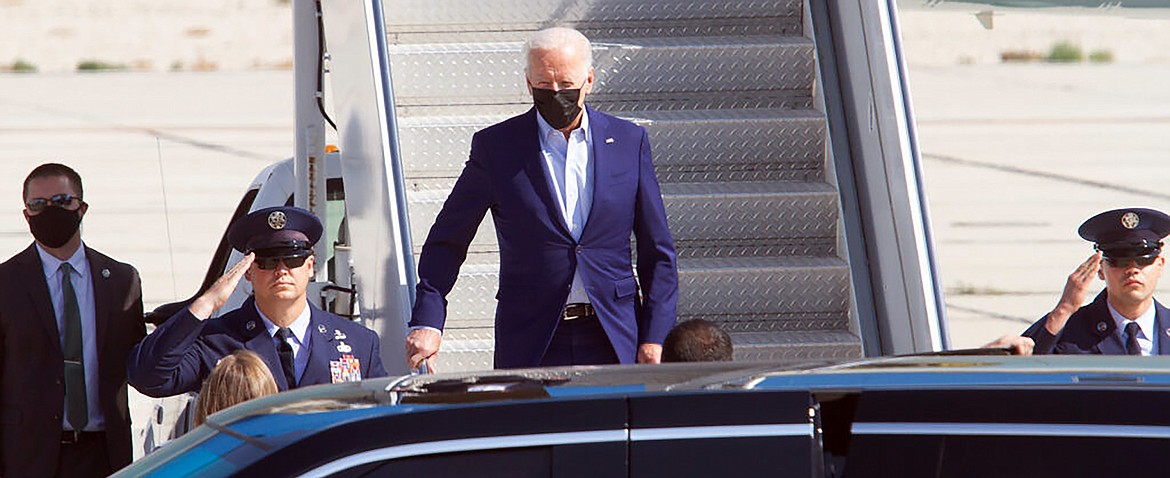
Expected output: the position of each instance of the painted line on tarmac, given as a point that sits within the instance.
(993, 315)
(1045, 175)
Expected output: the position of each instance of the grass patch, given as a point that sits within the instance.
(1020, 56)
(1065, 52)
(1101, 56)
(22, 66)
(99, 65)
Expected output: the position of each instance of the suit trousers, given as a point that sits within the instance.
(581, 341)
(87, 457)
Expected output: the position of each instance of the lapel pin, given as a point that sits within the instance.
(321, 328)
(1101, 326)
(105, 273)
(608, 140)
(250, 325)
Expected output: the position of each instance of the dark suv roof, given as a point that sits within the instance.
(617, 420)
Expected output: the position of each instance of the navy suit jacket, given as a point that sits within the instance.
(181, 353)
(538, 255)
(1092, 330)
(32, 366)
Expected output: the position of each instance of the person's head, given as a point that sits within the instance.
(282, 239)
(1130, 241)
(559, 73)
(237, 378)
(53, 206)
(697, 340)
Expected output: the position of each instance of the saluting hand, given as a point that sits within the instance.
(221, 290)
(422, 344)
(1076, 290)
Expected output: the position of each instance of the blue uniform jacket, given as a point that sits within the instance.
(181, 353)
(538, 255)
(1091, 330)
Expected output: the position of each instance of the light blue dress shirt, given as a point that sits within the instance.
(82, 281)
(569, 166)
(1145, 325)
(299, 340)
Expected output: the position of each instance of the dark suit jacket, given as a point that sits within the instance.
(1092, 330)
(32, 365)
(181, 352)
(538, 256)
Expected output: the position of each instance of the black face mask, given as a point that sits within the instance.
(558, 108)
(54, 226)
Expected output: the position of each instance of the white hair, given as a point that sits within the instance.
(555, 38)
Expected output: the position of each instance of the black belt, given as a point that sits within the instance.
(70, 437)
(574, 311)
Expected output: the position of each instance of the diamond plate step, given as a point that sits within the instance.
(717, 219)
(426, 21)
(766, 293)
(688, 146)
(753, 219)
(743, 294)
(790, 345)
(644, 75)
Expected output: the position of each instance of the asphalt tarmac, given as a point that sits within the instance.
(1015, 158)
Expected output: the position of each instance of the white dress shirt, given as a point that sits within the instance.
(569, 165)
(299, 341)
(1145, 323)
(83, 288)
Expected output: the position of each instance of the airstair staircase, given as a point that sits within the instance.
(727, 91)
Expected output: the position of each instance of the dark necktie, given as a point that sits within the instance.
(286, 357)
(78, 413)
(1131, 338)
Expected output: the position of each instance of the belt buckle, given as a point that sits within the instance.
(578, 311)
(70, 437)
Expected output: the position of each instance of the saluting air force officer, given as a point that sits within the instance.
(301, 344)
(1124, 318)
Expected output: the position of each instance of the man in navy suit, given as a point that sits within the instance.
(567, 186)
(1124, 319)
(301, 344)
(69, 315)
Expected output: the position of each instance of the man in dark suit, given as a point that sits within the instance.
(567, 185)
(1124, 319)
(302, 344)
(69, 316)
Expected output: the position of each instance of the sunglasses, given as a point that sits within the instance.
(1140, 261)
(269, 263)
(63, 201)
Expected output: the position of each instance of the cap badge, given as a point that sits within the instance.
(277, 221)
(1129, 220)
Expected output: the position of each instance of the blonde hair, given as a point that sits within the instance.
(237, 378)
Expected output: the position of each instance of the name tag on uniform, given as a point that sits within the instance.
(347, 369)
